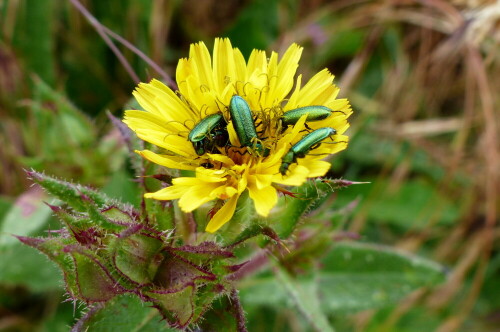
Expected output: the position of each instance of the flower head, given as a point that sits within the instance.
(224, 167)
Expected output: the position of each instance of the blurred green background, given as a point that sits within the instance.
(423, 78)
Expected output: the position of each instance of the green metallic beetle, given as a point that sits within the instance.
(314, 113)
(302, 147)
(209, 133)
(244, 125)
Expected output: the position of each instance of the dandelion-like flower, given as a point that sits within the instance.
(224, 167)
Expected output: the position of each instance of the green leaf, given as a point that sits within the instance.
(175, 273)
(219, 317)
(137, 257)
(68, 192)
(27, 216)
(94, 281)
(178, 307)
(305, 295)
(61, 317)
(123, 313)
(53, 247)
(354, 277)
(99, 216)
(22, 265)
(282, 291)
(5, 206)
(82, 199)
(264, 291)
(359, 276)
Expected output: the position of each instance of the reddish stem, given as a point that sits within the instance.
(238, 311)
(99, 28)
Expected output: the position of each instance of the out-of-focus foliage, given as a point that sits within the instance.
(423, 79)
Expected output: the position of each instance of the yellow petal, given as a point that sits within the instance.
(313, 93)
(316, 167)
(147, 120)
(189, 182)
(243, 182)
(271, 164)
(337, 146)
(202, 64)
(264, 199)
(219, 157)
(176, 144)
(210, 175)
(296, 176)
(257, 62)
(201, 98)
(233, 138)
(196, 196)
(340, 105)
(223, 63)
(167, 161)
(269, 97)
(165, 194)
(240, 66)
(162, 101)
(286, 71)
(223, 215)
(263, 180)
(223, 192)
(294, 99)
(336, 120)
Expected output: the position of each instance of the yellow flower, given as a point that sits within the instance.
(206, 86)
